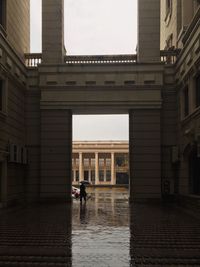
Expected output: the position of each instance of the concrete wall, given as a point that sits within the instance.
(170, 22)
(18, 25)
(148, 30)
(53, 31)
(145, 154)
(169, 128)
(13, 131)
(56, 154)
(33, 137)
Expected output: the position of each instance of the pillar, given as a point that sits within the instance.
(89, 170)
(187, 12)
(148, 31)
(80, 166)
(56, 155)
(113, 182)
(53, 49)
(96, 168)
(145, 154)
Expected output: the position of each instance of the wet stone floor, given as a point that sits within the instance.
(104, 232)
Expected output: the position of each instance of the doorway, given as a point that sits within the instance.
(100, 149)
(194, 171)
(1, 177)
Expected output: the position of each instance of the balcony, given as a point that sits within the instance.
(166, 56)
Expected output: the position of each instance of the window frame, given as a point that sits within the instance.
(197, 90)
(3, 97)
(186, 101)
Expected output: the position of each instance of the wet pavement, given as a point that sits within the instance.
(106, 232)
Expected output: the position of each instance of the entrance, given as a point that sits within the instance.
(1, 177)
(122, 178)
(194, 171)
(100, 149)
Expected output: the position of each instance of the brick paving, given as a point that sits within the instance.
(105, 232)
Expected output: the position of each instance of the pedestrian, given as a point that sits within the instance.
(83, 193)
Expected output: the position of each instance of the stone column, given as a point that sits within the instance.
(56, 154)
(89, 169)
(80, 166)
(113, 182)
(145, 154)
(148, 31)
(96, 168)
(187, 12)
(53, 50)
(104, 170)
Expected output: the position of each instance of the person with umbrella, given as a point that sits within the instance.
(83, 193)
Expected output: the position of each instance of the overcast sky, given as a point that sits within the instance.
(94, 27)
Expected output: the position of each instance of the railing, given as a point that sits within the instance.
(114, 59)
(33, 59)
(167, 56)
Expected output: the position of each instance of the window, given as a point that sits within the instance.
(108, 176)
(77, 162)
(108, 162)
(93, 176)
(90, 82)
(122, 160)
(86, 175)
(92, 162)
(101, 176)
(86, 162)
(77, 176)
(129, 82)
(186, 101)
(101, 162)
(198, 91)
(109, 82)
(2, 96)
(3, 13)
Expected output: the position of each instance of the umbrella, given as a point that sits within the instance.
(84, 182)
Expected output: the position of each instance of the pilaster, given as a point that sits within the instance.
(53, 50)
(145, 154)
(56, 154)
(148, 31)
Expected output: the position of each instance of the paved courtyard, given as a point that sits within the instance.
(101, 233)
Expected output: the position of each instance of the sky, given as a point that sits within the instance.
(94, 27)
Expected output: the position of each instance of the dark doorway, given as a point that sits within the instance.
(122, 178)
(194, 171)
(1, 175)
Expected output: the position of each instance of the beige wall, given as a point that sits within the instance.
(171, 23)
(18, 25)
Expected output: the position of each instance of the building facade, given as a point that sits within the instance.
(158, 88)
(100, 162)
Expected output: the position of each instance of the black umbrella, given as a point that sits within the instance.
(84, 182)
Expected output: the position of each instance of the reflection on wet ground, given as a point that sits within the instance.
(106, 232)
(100, 235)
